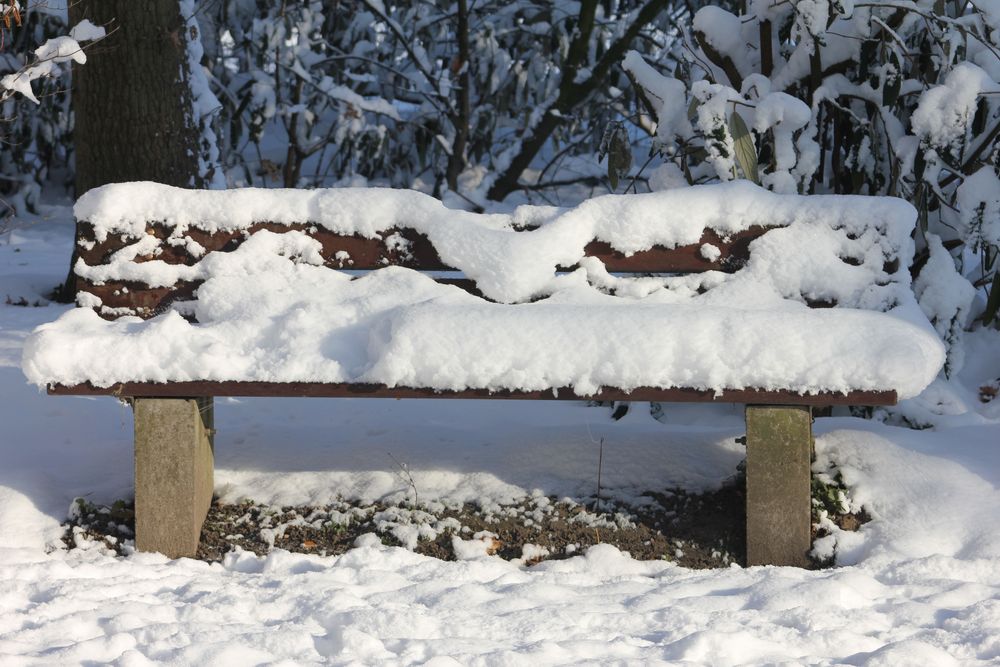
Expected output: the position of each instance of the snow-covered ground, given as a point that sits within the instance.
(920, 584)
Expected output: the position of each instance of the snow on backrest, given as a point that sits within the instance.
(144, 246)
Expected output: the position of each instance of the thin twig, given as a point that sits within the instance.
(407, 477)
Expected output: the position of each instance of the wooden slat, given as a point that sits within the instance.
(371, 254)
(147, 302)
(329, 390)
(119, 297)
(735, 251)
(143, 300)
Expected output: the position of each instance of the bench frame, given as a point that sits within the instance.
(174, 422)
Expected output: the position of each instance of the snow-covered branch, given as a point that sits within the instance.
(47, 59)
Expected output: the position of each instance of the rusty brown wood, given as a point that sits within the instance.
(145, 301)
(371, 254)
(365, 254)
(328, 390)
(735, 250)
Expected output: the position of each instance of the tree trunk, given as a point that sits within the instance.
(456, 161)
(132, 99)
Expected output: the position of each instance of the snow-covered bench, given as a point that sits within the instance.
(724, 293)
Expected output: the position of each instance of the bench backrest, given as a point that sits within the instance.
(124, 226)
(356, 253)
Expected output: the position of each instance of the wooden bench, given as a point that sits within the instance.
(174, 419)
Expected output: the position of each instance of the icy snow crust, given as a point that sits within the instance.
(270, 311)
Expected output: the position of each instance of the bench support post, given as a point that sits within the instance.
(779, 455)
(173, 473)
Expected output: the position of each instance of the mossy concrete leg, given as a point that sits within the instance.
(173, 473)
(779, 453)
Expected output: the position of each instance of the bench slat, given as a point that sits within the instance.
(370, 254)
(147, 302)
(123, 297)
(328, 390)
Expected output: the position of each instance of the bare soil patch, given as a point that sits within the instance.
(693, 530)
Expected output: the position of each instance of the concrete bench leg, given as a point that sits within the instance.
(173, 473)
(779, 453)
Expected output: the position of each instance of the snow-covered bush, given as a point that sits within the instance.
(480, 98)
(837, 96)
(285, 95)
(437, 95)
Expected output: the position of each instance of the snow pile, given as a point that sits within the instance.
(270, 310)
(378, 605)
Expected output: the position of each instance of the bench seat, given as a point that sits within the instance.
(477, 345)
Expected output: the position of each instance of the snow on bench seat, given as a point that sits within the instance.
(277, 309)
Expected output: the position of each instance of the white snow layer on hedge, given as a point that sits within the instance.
(944, 111)
(268, 312)
(669, 97)
(48, 56)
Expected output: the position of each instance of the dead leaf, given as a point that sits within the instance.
(493, 546)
